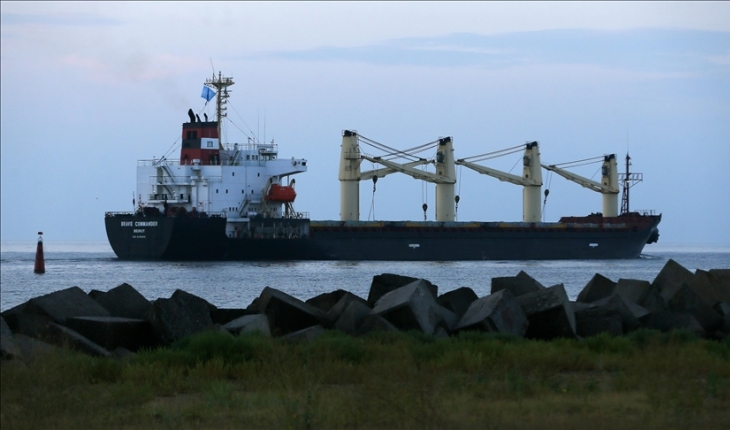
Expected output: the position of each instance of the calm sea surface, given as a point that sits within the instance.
(235, 284)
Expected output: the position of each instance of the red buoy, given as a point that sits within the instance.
(40, 262)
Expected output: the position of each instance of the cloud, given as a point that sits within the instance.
(136, 67)
(67, 20)
(678, 51)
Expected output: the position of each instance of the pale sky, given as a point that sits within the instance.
(89, 88)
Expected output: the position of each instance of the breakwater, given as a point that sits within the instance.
(121, 320)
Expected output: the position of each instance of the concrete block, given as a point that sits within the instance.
(633, 290)
(458, 300)
(307, 334)
(630, 313)
(15, 310)
(31, 349)
(549, 313)
(722, 308)
(95, 294)
(599, 287)
(411, 307)
(115, 332)
(223, 316)
(721, 284)
(387, 282)
(325, 301)
(254, 306)
(578, 307)
(641, 293)
(517, 285)
(653, 300)
(687, 301)
(352, 317)
(178, 317)
(249, 323)
(68, 338)
(441, 333)
(288, 314)
(667, 321)
(593, 321)
(671, 278)
(375, 323)
(708, 287)
(122, 354)
(498, 312)
(71, 302)
(8, 349)
(125, 302)
(192, 300)
(28, 324)
(448, 319)
(338, 308)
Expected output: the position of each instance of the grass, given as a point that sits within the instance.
(386, 380)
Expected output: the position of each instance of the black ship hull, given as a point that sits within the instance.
(137, 237)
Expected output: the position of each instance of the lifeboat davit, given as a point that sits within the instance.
(281, 194)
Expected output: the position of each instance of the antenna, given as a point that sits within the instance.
(211, 66)
(627, 181)
(221, 84)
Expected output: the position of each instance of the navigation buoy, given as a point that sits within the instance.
(40, 262)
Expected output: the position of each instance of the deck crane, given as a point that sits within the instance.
(350, 175)
(531, 178)
(608, 187)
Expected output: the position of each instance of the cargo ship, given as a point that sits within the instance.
(236, 202)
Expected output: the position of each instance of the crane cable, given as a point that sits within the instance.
(372, 202)
(547, 191)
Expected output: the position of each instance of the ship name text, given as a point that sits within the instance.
(139, 223)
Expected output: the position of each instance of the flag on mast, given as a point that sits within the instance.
(207, 94)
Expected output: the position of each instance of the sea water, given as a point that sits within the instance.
(234, 284)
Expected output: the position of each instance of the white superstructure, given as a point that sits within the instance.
(238, 181)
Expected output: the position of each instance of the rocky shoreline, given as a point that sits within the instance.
(121, 321)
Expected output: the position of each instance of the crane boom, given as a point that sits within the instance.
(409, 170)
(531, 180)
(502, 176)
(585, 182)
(608, 187)
(350, 176)
(381, 173)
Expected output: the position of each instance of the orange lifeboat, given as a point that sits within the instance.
(281, 194)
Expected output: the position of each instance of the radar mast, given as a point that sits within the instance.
(220, 84)
(628, 180)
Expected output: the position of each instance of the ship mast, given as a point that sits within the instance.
(220, 84)
(628, 180)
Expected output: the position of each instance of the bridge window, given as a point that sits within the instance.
(233, 173)
(226, 191)
(216, 191)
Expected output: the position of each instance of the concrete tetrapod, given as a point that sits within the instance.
(549, 313)
(411, 307)
(498, 312)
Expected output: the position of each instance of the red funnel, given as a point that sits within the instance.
(40, 262)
